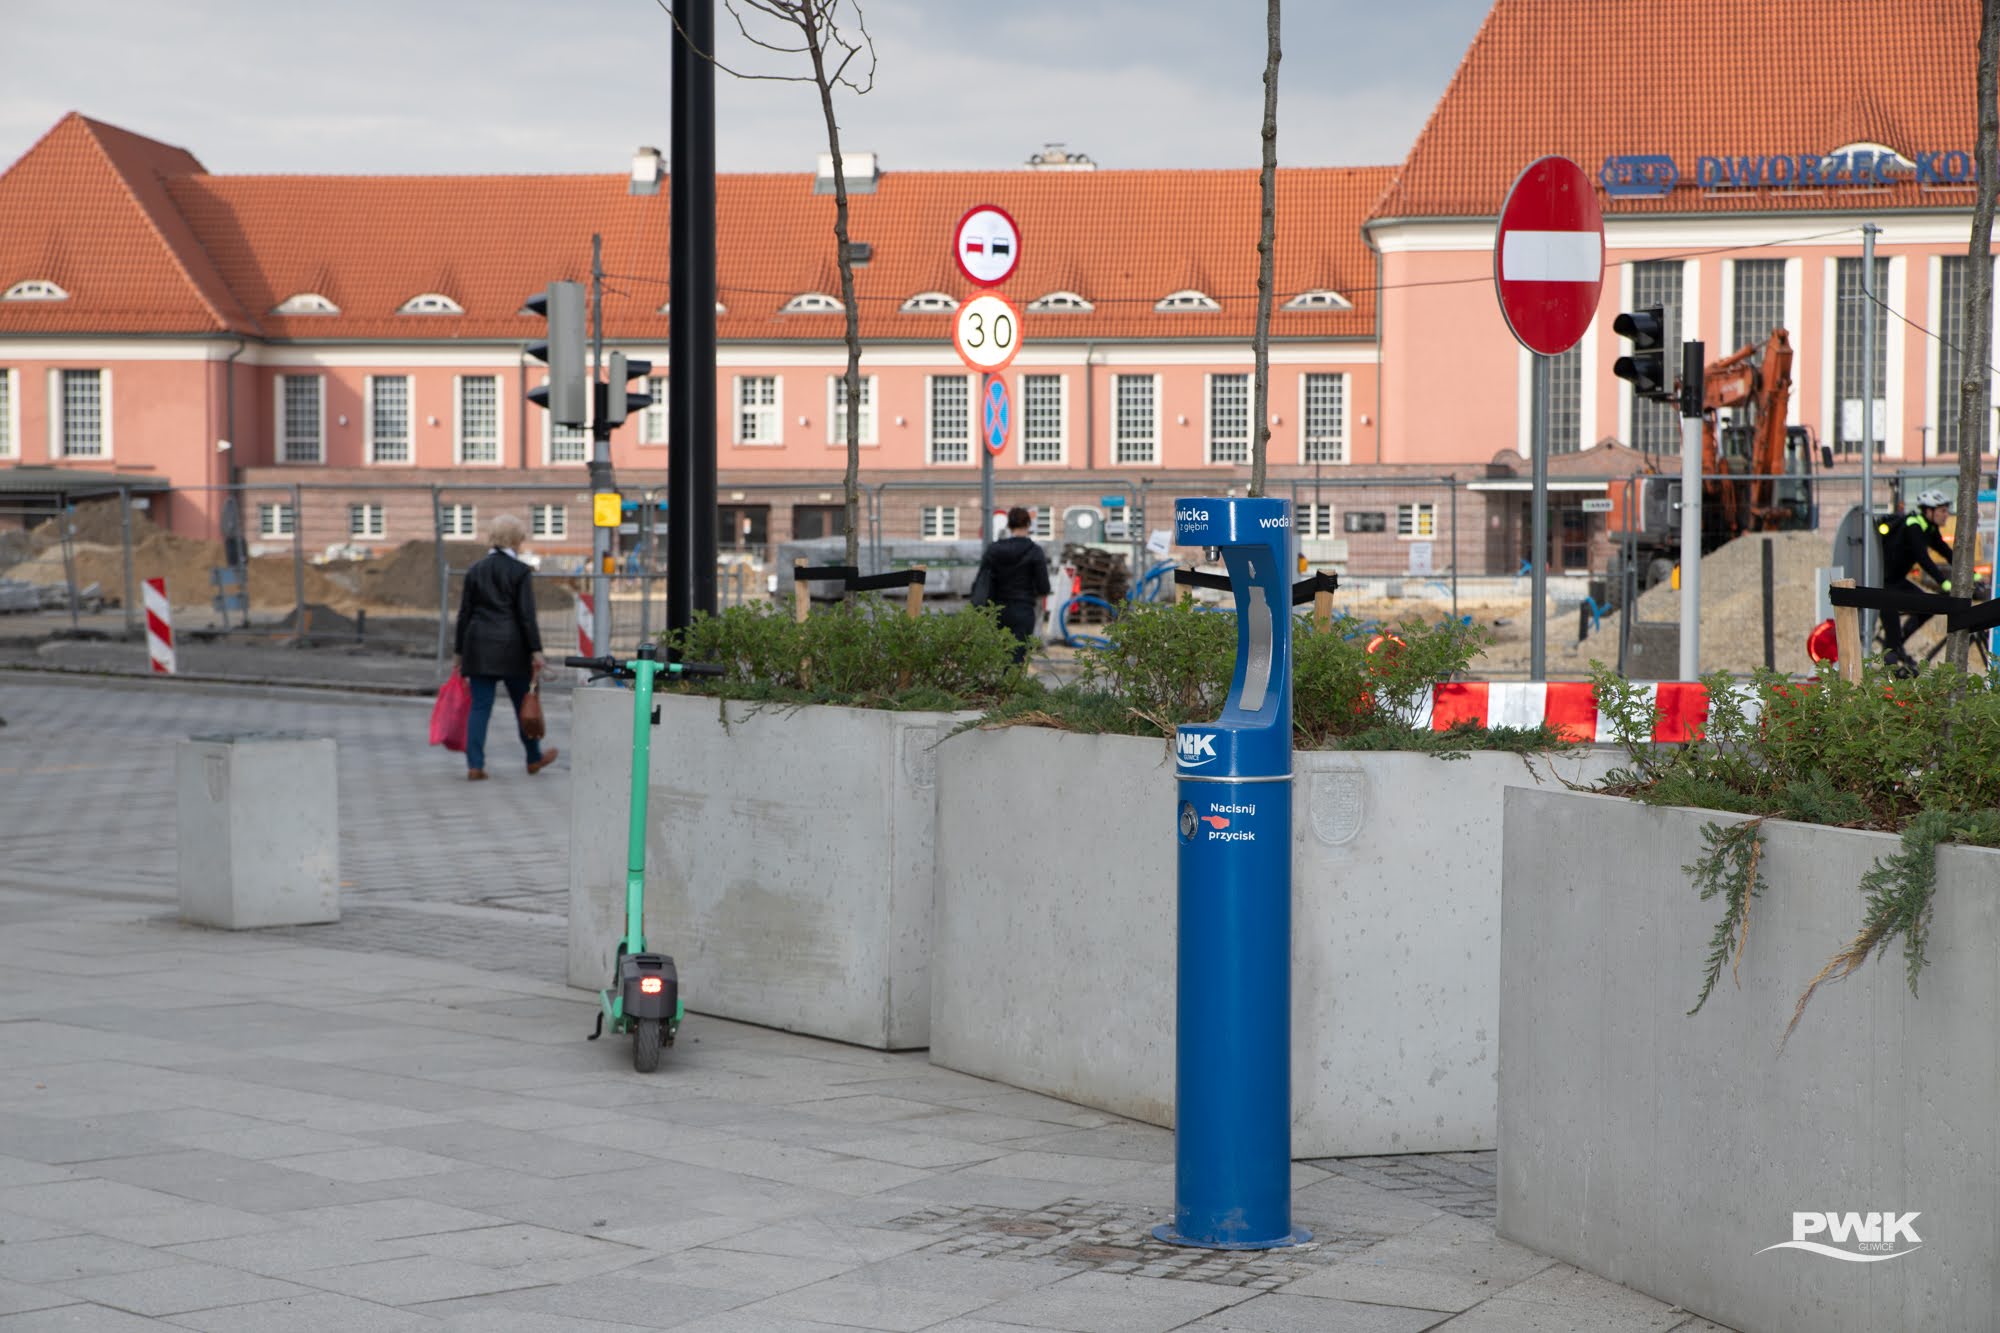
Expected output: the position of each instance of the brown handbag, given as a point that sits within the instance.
(533, 725)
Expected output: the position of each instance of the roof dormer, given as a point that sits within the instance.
(35, 289)
(812, 303)
(929, 303)
(1060, 303)
(305, 303)
(1185, 301)
(1320, 298)
(430, 303)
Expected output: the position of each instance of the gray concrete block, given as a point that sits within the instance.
(179, 1289)
(412, 1281)
(259, 830)
(320, 1312)
(69, 1258)
(18, 1299)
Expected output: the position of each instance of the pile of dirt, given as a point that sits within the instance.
(409, 577)
(98, 522)
(185, 563)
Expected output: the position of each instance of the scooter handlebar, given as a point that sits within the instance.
(604, 664)
(700, 669)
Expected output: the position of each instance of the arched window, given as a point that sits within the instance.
(35, 289)
(666, 307)
(431, 303)
(1186, 300)
(929, 303)
(305, 303)
(1319, 298)
(1058, 303)
(812, 303)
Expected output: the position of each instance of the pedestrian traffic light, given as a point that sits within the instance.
(617, 400)
(564, 395)
(1646, 367)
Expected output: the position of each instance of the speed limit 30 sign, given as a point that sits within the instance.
(987, 333)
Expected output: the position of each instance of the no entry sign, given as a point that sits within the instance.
(1548, 256)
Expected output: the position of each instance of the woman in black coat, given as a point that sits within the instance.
(499, 641)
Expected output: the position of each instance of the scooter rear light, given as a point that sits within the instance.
(649, 985)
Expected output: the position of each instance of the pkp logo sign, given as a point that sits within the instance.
(1869, 1237)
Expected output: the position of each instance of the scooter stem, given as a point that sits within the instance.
(643, 671)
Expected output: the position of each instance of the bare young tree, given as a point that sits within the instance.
(833, 37)
(1260, 438)
(1973, 394)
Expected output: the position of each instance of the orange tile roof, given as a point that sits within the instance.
(1691, 78)
(201, 252)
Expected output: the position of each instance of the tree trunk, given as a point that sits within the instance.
(851, 523)
(1974, 392)
(1260, 397)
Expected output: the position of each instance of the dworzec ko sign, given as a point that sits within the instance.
(1652, 175)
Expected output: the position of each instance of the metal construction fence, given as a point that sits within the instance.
(381, 564)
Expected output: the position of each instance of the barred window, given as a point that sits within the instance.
(1041, 419)
(1950, 322)
(548, 521)
(940, 522)
(1044, 528)
(1656, 427)
(1417, 520)
(389, 419)
(276, 520)
(479, 419)
(1314, 520)
(653, 421)
(82, 414)
(1565, 406)
(1325, 436)
(1229, 418)
(950, 419)
(1137, 438)
(1853, 382)
(459, 520)
(8, 446)
(568, 444)
(837, 425)
(365, 520)
(303, 419)
(757, 409)
(1760, 301)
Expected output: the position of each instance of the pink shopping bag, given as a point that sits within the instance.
(449, 713)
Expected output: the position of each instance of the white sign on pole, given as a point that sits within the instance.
(987, 245)
(1597, 504)
(987, 333)
(1420, 557)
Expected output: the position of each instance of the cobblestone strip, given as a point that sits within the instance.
(1458, 1183)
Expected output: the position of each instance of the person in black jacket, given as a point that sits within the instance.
(1910, 540)
(499, 641)
(1014, 572)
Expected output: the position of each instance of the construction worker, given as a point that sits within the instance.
(1907, 541)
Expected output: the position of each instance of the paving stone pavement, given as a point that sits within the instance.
(343, 1129)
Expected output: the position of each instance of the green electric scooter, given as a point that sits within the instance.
(644, 996)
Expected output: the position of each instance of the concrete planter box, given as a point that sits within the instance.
(1664, 1151)
(258, 817)
(788, 860)
(1054, 957)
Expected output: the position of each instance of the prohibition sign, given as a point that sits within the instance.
(986, 332)
(986, 245)
(1548, 256)
(998, 416)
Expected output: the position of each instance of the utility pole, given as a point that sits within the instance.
(1693, 365)
(1871, 577)
(602, 536)
(691, 318)
(1538, 503)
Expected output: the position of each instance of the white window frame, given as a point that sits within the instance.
(871, 412)
(974, 438)
(430, 303)
(280, 384)
(458, 423)
(1061, 302)
(929, 303)
(1021, 379)
(1159, 447)
(374, 509)
(1420, 530)
(1044, 527)
(10, 413)
(776, 408)
(368, 420)
(1208, 419)
(541, 529)
(813, 303)
(286, 526)
(35, 289)
(653, 425)
(1188, 300)
(57, 411)
(449, 527)
(1306, 524)
(1343, 453)
(933, 516)
(549, 458)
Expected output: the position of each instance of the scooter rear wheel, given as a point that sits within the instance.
(646, 1046)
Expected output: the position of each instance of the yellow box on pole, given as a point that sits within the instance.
(607, 509)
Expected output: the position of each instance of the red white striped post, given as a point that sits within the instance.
(586, 608)
(159, 627)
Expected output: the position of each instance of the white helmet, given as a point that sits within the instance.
(1933, 499)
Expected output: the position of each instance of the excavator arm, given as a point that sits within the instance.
(1758, 379)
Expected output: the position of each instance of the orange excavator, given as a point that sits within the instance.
(1756, 471)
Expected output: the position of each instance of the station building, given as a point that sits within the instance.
(362, 338)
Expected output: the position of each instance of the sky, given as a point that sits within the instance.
(456, 86)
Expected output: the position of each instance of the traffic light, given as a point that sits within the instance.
(564, 395)
(1646, 367)
(617, 400)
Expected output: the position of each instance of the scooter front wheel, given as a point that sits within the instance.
(646, 1046)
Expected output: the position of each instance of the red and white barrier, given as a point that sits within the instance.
(1570, 706)
(586, 611)
(159, 627)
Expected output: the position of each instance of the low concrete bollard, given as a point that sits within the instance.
(259, 825)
